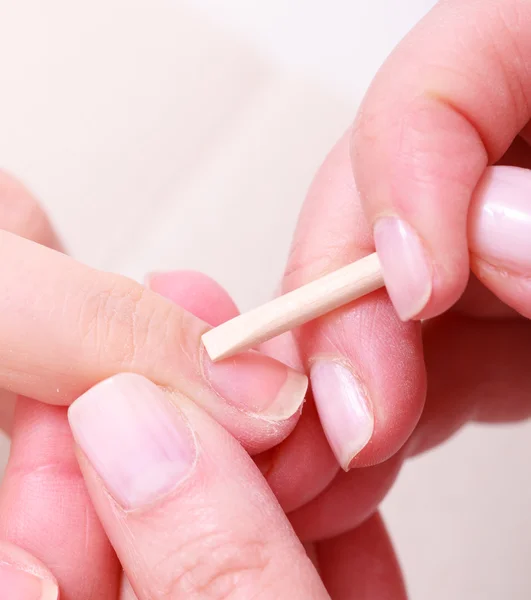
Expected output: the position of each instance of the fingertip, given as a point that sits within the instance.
(23, 576)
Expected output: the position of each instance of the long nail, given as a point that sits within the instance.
(257, 384)
(500, 219)
(134, 437)
(18, 584)
(344, 409)
(405, 267)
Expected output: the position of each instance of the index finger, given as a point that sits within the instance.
(64, 327)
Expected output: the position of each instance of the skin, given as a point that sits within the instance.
(420, 146)
(330, 511)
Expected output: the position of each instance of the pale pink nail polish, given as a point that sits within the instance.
(258, 385)
(499, 223)
(134, 437)
(17, 584)
(343, 407)
(406, 271)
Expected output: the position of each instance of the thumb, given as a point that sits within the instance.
(450, 99)
(22, 576)
(185, 508)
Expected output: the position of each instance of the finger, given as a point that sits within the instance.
(479, 302)
(151, 468)
(302, 466)
(196, 293)
(22, 215)
(45, 508)
(367, 416)
(364, 555)
(23, 577)
(126, 591)
(450, 99)
(477, 370)
(70, 326)
(349, 501)
(500, 235)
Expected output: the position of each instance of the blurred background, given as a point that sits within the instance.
(168, 134)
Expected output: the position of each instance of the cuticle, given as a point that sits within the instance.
(503, 271)
(344, 362)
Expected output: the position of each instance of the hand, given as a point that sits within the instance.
(44, 506)
(454, 97)
(351, 498)
(50, 355)
(190, 515)
(67, 327)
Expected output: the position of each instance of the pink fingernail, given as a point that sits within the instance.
(344, 410)
(16, 584)
(405, 267)
(134, 437)
(499, 224)
(258, 385)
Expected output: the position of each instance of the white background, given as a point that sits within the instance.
(165, 134)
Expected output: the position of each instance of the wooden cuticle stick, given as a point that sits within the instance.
(294, 308)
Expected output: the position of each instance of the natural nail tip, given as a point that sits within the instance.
(406, 268)
(50, 591)
(289, 399)
(347, 464)
(413, 312)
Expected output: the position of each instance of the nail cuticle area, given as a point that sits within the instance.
(490, 265)
(345, 409)
(257, 385)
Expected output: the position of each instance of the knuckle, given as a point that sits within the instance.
(215, 566)
(116, 321)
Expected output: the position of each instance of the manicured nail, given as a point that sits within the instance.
(134, 437)
(258, 385)
(344, 410)
(17, 584)
(499, 225)
(405, 267)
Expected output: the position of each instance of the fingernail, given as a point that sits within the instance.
(500, 219)
(343, 408)
(405, 268)
(134, 437)
(257, 384)
(17, 584)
